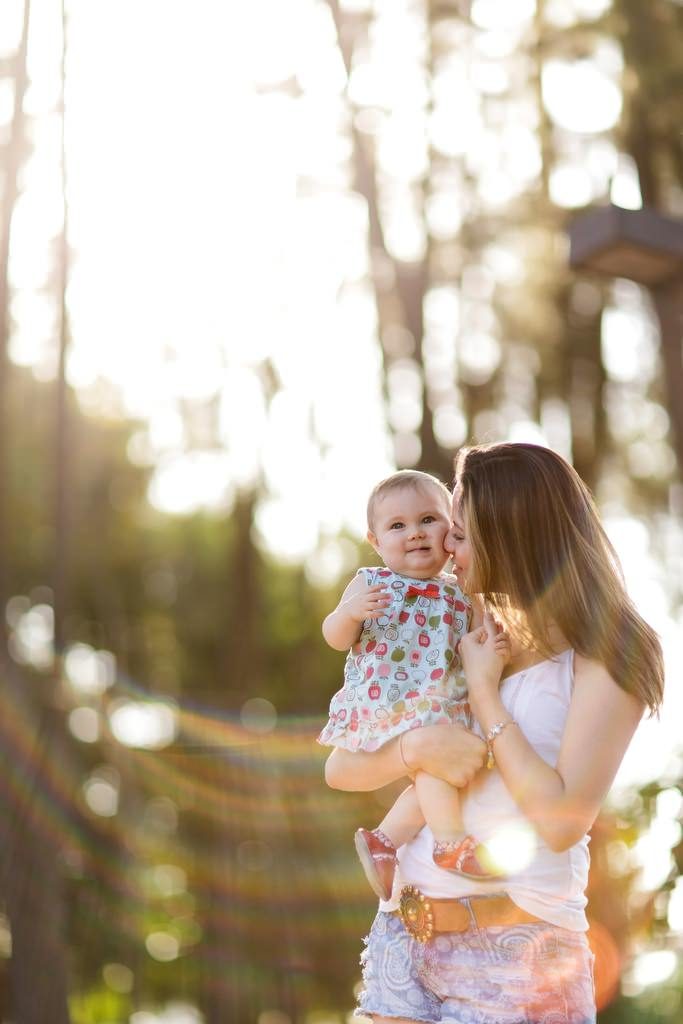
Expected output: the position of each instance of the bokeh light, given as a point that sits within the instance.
(84, 724)
(147, 724)
(258, 715)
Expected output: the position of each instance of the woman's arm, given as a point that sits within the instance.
(448, 751)
(562, 802)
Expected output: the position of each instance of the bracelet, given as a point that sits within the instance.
(491, 735)
(411, 771)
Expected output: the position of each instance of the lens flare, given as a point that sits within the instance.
(607, 968)
(511, 848)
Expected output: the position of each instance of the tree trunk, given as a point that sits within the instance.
(668, 302)
(62, 489)
(230, 985)
(30, 882)
(13, 158)
(31, 872)
(400, 288)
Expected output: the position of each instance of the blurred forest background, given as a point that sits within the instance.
(189, 424)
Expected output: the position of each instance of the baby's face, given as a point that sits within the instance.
(409, 528)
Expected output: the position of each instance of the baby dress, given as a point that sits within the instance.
(404, 671)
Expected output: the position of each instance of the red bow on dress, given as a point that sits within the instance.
(431, 590)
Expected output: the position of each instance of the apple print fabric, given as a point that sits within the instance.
(404, 671)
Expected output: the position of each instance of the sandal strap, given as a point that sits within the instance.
(383, 838)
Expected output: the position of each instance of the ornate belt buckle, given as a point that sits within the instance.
(416, 913)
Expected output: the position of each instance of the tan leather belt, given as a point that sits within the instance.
(424, 917)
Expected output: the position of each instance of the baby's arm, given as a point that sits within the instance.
(359, 602)
(447, 751)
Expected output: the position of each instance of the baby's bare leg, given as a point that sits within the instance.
(454, 850)
(377, 849)
(404, 819)
(440, 805)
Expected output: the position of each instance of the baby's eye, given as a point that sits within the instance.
(429, 519)
(396, 526)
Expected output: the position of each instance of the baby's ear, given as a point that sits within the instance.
(372, 540)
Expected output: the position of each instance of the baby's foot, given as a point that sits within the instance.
(377, 854)
(465, 857)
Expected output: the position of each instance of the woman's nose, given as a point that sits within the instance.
(449, 543)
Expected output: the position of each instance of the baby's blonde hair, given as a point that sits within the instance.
(404, 478)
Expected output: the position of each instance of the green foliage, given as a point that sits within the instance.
(100, 1006)
(226, 845)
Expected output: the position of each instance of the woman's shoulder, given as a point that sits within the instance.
(590, 671)
(594, 678)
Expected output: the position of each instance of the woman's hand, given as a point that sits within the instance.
(484, 652)
(449, 752)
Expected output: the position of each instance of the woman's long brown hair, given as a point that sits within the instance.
(538, 546)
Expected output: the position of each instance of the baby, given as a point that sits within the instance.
(402, 623)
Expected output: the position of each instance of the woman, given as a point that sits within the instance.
(584, 666)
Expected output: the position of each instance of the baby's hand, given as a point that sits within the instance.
(484, 651)
(368, 604)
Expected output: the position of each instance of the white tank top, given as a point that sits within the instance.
(547, 884)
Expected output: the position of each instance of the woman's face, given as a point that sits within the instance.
(457, 542)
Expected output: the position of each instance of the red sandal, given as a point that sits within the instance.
(465, 857)
(377, 855)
